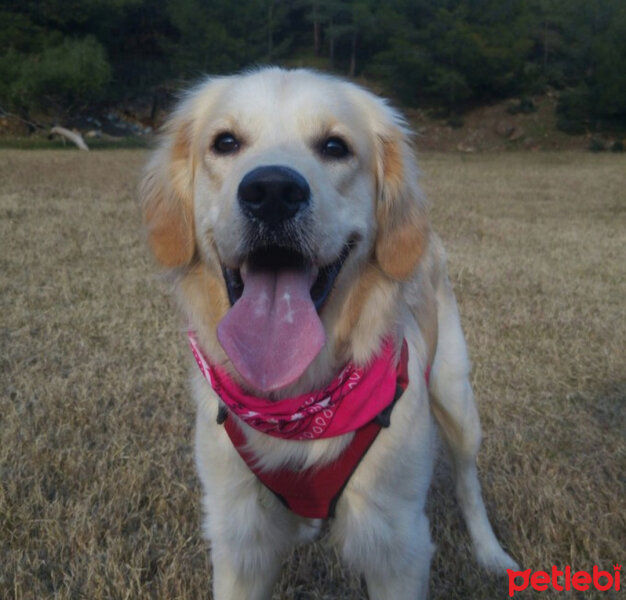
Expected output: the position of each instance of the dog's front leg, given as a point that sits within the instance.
(380, 526)
(392, 551)
(249, 530)
(409, 578)
(231, 582)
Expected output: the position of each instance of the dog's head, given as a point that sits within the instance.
(286, 204)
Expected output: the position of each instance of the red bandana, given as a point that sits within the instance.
(355, 397)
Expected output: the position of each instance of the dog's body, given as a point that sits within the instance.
(343, 158)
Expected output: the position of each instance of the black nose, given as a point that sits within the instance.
(273, 194)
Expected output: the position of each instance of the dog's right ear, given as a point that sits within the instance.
(166, 196)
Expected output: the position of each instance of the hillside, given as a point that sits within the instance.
(510, 125)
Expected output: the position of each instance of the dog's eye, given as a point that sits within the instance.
(335, 147)
(226, 143)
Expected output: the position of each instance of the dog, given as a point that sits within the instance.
(284, 207)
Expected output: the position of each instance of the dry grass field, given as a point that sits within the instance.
(98, 494)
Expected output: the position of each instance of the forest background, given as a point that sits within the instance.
(64, 57)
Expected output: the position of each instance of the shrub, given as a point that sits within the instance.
(70, 73)
(574, 110)
(456, 121)
(617, 146)
(525, 106)
(596, 144)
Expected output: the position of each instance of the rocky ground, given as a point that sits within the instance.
(515, 124)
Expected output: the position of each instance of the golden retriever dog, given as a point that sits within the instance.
(284, 207)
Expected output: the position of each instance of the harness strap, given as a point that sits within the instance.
(314, 492)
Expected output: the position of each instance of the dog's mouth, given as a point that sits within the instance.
(273, 331)
(276, 258)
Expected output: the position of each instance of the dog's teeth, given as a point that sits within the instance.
(314, 273)
(243, 270)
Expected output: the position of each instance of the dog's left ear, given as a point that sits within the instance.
(401, 213)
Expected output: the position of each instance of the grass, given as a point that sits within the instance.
(98, 494)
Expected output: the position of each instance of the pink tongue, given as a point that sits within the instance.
(272, 333)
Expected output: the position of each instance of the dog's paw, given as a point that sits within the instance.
(495, 560)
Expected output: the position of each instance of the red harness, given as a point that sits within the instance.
(314, 492)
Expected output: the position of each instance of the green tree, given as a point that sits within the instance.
(442, 53)
(67, 75)
(595, 96)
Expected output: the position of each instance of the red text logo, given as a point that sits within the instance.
(564, 580)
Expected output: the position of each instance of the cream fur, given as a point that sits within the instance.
(394, 282)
